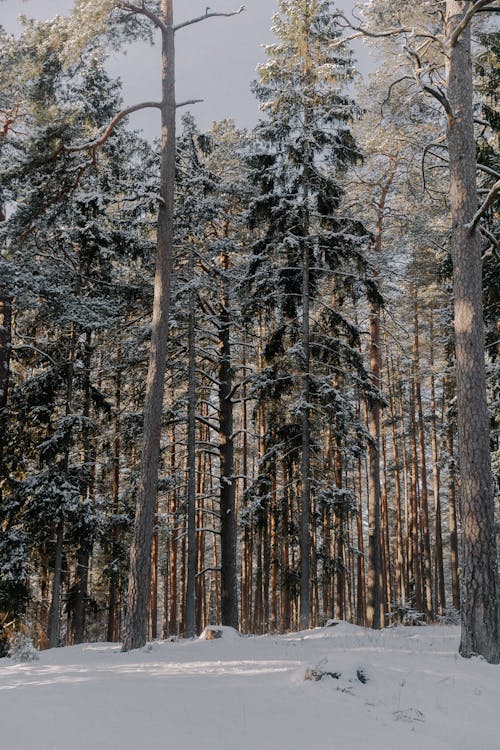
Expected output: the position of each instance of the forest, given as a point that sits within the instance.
(251, 377)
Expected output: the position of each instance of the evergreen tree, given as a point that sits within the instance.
(309, 250)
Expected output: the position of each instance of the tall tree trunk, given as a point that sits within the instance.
(479, 579)
(112, 631)
(85, 544)
(424, 495)
(375, 594)
(305, 511)
(190, 609)
(452, 518)
(415, 561)
(229, 576)
(440, 597)
(5, 351)
(56, 587)
(59, 526)
(136, 620)
(361, 575)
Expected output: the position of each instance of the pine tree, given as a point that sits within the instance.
(309, 248)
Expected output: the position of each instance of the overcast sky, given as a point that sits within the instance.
(216, 59)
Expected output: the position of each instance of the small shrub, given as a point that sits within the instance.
(22, 649)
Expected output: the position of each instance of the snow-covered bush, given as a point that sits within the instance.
(404, 613)
(22, 649)
(450, 616)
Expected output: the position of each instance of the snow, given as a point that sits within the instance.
(251, 692)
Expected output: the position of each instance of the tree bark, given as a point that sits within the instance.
(424, 496)
(136, 621)
(305, 511)
(5, 351)
(479, 584)
(229, 576)
(85, 545)
(190, 609)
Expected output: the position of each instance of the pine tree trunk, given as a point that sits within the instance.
(305, 511)
(415, 560)
(452, 518)
(440, 598)
(190, 607)
(229, 575)
(386, 529)
(375, 582)
(5, 351)
(136, 620)
(56, 588)
(400, 546)
(361, 575)
(286, 607)
(85, 545)
(479, 579)
(424, 496)
(112, 631)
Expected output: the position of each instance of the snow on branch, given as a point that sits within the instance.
(208, 14)
(488, 201)
(97, 142)
(360, 31)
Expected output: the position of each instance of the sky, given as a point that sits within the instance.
(215, 60)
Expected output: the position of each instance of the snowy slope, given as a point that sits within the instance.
(250, 694)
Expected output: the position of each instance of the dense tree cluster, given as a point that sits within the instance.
(297, 451)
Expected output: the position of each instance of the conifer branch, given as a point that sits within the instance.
(488, 201)
(206, 15)
(188, 102)
(97, 142)
(489, 170)
(141, 10)
(418, 72)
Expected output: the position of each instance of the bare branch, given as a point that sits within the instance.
(208, 14)
(208, 423)
(485, 206)
(439, 143)
(363, 31)
(141, 10)
(391, 87)
(418, 72)
(97, 142)
(489, 170)
(491, 237)
(207, 570)
(188, 102)
(481, 6)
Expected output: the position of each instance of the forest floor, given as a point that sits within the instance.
(398, 688)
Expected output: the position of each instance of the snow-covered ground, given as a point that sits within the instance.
(399, 688)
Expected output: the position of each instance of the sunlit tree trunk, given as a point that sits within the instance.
(136, 620)
(229, 576)
(85, 546)
(424, 495)
(479, 578)
(190, 606)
